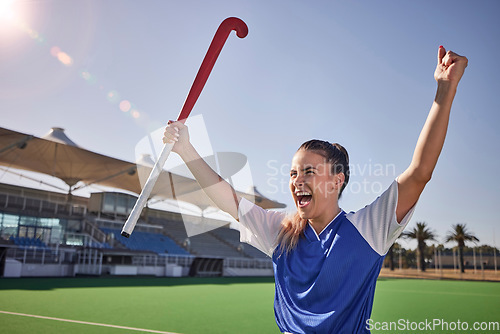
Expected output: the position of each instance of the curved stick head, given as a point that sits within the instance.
(234, 23)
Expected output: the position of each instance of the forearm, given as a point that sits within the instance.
(433, 134)
(411, 183)
(216, 188)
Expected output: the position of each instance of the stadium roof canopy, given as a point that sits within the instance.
(56, 155)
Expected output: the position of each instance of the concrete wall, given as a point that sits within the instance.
(247, 272)
(14, 268)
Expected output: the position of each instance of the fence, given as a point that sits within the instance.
(89, 261)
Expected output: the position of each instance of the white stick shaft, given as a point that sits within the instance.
(146, 191)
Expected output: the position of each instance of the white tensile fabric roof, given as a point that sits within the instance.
(56, 155)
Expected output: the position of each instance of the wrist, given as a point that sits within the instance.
(188, 153)
(445, 92)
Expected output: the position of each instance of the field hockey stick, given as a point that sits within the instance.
(220, 37)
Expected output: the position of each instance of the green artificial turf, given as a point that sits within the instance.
(218, 305)
(430, 304)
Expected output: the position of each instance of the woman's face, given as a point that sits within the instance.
(313, 185)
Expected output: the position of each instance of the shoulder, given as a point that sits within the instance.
(251, 213)
(380, 208)
(259, 227)
(377, 221)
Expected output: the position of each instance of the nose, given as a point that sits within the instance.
(298, 182)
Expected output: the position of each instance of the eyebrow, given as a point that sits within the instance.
(304, 169)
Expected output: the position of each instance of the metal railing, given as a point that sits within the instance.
(38, 205)
(40, 255)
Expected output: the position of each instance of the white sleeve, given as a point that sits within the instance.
(377, 222)
(259, 227)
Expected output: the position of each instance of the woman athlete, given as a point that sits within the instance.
(326, 261)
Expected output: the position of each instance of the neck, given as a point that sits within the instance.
(319, 224)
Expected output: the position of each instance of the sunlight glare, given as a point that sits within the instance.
(6, 10)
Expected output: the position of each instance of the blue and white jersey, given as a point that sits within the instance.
(327, 283)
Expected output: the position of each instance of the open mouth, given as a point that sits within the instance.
(303, 198)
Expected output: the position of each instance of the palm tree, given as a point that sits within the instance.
(460, 235)
(421, 233)
(390, 254)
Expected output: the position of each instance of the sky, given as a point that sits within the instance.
(359, 73)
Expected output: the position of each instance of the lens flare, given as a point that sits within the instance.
(65, 58)
(135, 113)
(33, 34)
(125, 105)
(89, 78)
(54, 51)
(40, 39)
(113, 96)
(7, 12)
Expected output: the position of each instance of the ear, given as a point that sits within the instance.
(339, 180)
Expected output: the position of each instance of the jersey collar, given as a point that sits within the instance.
(311, 232)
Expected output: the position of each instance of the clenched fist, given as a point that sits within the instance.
(450, 66)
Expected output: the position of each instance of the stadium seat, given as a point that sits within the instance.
(147, 241)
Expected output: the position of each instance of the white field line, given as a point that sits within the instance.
(86, 323)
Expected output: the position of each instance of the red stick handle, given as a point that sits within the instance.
(221, 35)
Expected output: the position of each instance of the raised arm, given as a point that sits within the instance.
(219, 191)
(411, 183)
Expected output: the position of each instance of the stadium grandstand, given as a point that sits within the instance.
(42, 234)
(46, 233)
